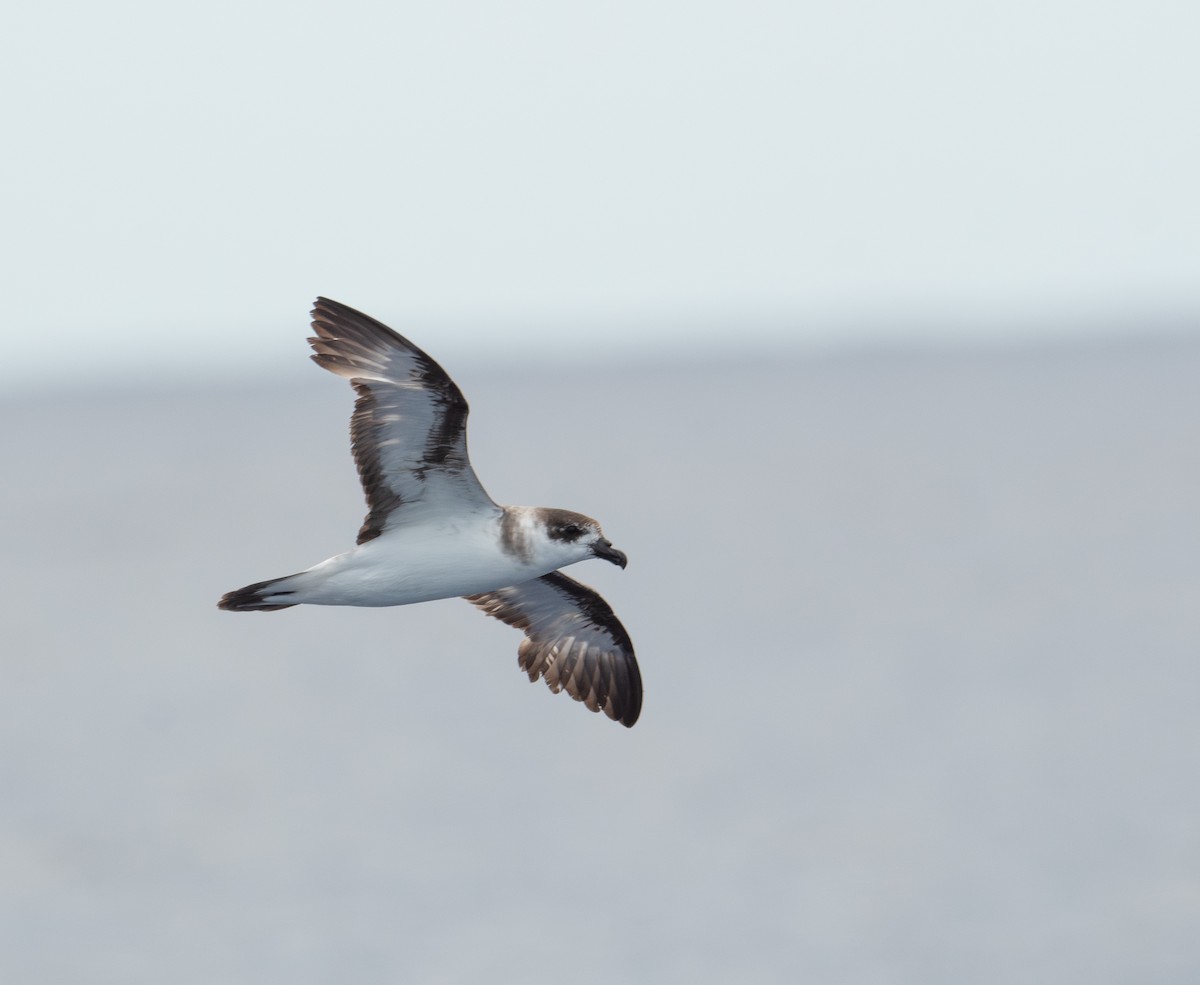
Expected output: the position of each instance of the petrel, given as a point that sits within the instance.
(432, 532)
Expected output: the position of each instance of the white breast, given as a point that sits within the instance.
(416, 564)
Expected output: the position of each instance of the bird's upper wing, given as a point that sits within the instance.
(409, 428)
(573, 640)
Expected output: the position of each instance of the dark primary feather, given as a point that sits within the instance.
(573, 640)
(409, 427)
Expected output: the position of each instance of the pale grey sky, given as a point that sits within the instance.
(181, 179)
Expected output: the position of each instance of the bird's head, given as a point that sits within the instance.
(578, 537)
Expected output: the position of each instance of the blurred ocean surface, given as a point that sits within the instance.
(919, 632)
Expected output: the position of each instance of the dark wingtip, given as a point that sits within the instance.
(633, 711)
(324, 305)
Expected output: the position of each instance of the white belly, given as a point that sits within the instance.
(414, 565)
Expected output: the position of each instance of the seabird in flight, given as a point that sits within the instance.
(432, 532)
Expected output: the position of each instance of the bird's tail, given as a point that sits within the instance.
(262, 596)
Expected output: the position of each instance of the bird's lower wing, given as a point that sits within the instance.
(573, 640)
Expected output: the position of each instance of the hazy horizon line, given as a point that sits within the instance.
(753, 348)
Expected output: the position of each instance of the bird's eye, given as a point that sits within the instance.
(571, 532)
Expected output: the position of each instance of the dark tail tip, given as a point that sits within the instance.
(250, 598)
